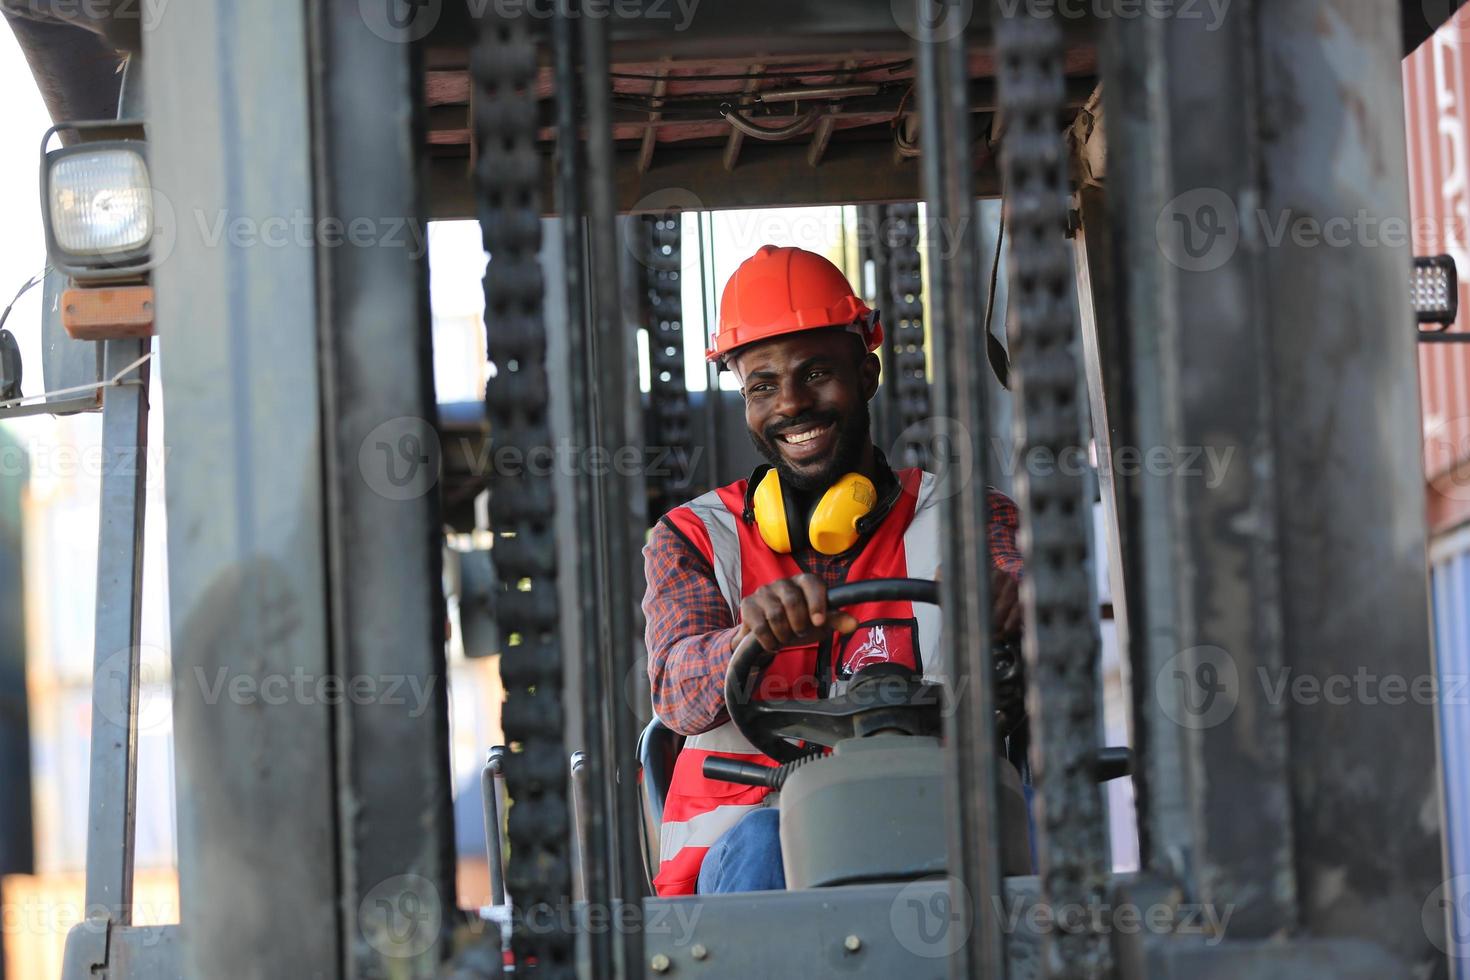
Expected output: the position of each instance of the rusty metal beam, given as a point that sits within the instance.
(650, 135)
(821, 136)
(736, 138)
(823, 133)
(678, 120)
(770, 175)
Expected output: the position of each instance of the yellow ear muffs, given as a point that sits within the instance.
(770, 513)
(834, 524)
(833, 527)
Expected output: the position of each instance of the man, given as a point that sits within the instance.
(759, 555)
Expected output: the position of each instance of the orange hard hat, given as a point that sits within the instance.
(785, 290)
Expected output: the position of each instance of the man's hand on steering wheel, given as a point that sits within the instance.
(790, 611)
(794, 610)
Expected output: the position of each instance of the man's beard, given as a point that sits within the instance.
(853, 437)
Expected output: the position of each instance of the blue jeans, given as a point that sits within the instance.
(746, 858)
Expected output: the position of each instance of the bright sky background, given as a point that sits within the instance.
(458, 263)
(22, 245)
(731, 237)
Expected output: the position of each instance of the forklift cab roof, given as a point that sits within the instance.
(754, 104)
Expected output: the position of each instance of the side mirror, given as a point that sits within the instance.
(10, 375)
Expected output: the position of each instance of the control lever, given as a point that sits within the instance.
(578, 766)
(492, 791)
(1113, 762)
(755, 774)
(744, 773)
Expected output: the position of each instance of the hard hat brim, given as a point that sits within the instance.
(866, 326)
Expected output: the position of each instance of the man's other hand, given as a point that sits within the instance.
(1005, 605)
(789, 612)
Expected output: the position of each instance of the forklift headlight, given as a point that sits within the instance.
(98, 202)
(98, 206)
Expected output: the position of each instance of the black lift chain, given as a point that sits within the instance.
(669, 422)
(908, 372)
(1061, 643)
(522, 505)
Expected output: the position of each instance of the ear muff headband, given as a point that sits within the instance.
(769, 506)
(834, 525)
(796, 519)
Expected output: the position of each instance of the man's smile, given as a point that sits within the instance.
(808, 442)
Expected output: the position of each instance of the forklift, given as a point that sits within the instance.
(1135, 149)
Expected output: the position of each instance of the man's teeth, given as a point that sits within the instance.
(797, 438)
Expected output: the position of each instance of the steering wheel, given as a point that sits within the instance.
(884, 697)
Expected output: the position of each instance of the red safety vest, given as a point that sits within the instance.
(905, 544)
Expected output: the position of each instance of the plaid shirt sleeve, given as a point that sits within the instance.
(1005, 520)
(690, 634)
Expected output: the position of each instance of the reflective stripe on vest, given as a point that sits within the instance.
(698, 811)
(707, 523)
(700, 830)
(921, 549)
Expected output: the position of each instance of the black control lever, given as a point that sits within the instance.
(744, 773)
(1113, 762)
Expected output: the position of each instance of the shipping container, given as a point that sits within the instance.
(1436, 103)
(1450, 592)
(1436, 100)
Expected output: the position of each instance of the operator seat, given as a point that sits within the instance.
(658, 747)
